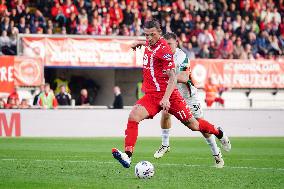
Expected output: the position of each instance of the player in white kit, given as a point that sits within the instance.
(190, 94)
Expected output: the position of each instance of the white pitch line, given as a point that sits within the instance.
(253, 168)
(209, 158)
(160, 164)
(191, 158)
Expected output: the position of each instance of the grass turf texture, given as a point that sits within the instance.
(88, 163)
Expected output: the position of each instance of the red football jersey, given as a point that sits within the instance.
(157, 59)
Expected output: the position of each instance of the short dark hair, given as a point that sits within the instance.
(170, 35)
(152, 24)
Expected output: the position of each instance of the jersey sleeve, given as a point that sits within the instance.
(185, 65)
(166, 56)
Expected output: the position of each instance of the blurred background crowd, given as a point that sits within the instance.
(239, 29)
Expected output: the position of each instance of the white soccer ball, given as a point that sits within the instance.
(144, 169)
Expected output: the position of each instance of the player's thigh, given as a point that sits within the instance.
(146, 107)
(138, 113)
(192, 124)
(166, 120)
(195, 106)
(179, 108)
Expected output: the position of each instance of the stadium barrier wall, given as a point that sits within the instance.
(111, 123)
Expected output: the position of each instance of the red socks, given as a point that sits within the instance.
(206, 127)
(131, 134)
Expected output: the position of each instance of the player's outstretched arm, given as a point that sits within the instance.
(138, 44)
(165, 103)
(183, 77)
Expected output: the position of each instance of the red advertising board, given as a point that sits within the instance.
(28, 71)
(89, 52)
(81, 52)
(239, 73)
(6, 73)
(20, 71)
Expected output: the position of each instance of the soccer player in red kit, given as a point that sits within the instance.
(159, 85)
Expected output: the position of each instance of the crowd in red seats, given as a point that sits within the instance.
(241, 29)
(13, 101)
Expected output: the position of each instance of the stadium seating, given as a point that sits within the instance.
(200, 25)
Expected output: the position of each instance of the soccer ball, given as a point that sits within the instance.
(144, 169)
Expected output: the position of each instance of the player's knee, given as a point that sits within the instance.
(166, 116)
(192, 124)
(134, 114)
(133, 117)
(138, 113)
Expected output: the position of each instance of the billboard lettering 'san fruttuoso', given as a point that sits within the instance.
(239, 73)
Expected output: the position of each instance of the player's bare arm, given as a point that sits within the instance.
(183, 77)
(138, 44)
(165, 103)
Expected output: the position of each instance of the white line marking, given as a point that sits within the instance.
(209, 158)
(192, 158)
(160, 164)
(253, 168)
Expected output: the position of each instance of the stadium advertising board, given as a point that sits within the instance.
(6, 74)
(239, 73)
(20, 71)
(87, 52)
(83, 123)
(10, 124)
(110, 52)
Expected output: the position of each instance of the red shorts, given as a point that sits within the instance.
(178, 108)
(217, 99)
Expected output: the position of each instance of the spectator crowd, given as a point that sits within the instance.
(74, 91)
(239, 29)
(46, 98)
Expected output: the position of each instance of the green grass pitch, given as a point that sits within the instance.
(88, 163)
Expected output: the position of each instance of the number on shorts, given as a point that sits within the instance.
(182, 114)
(196, 107)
